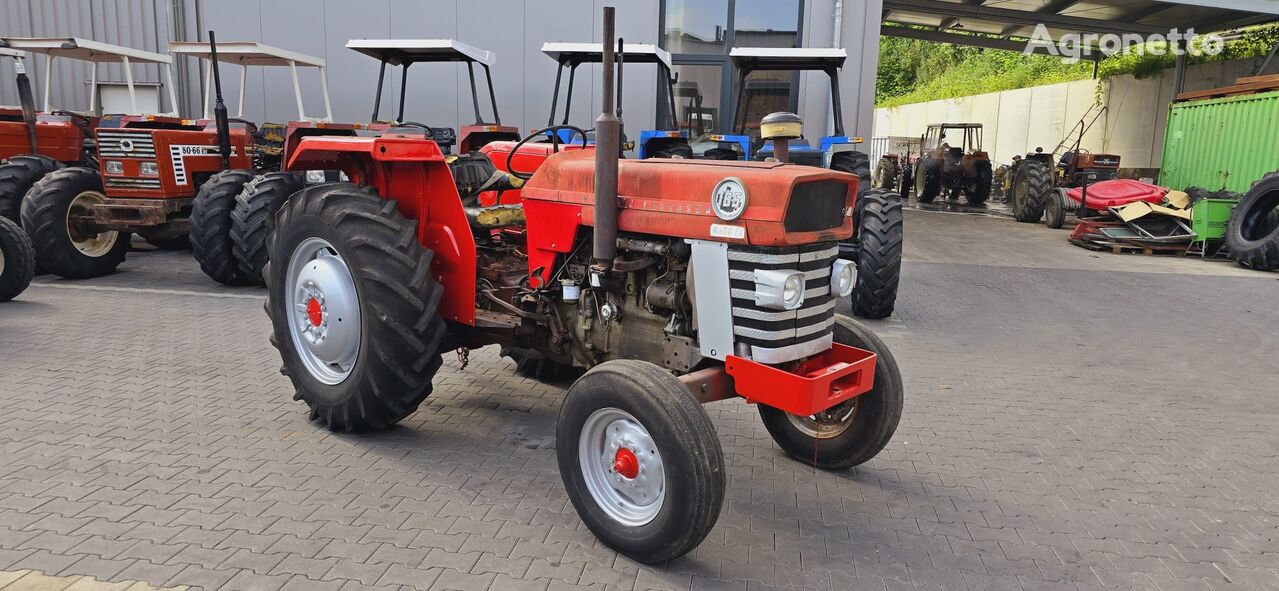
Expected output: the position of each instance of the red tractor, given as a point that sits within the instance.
(264, 195)
(953, 168)
(1037, 185)
(35, 142)
(159, 176)
(676, 282)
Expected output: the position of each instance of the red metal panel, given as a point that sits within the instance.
(817, 384)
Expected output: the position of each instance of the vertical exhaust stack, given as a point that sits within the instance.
(219, 107)
(607, 148)
(28, 102)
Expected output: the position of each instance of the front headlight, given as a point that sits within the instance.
(114, 167)
(314, 176)
(843, 274)
(779, 289)
(149, 169)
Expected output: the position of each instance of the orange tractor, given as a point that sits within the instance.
(953, 168)
(675, 282)
(162, 177)
(35, 142)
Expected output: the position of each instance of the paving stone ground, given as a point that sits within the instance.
(1073, 420)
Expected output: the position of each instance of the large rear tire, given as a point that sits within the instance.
(1032, 182)
(54, 214)
(854, 162)
(254, 214)
(17, 176)
(854, 431)
(353, 307)
(880, 231)
(1253, 231)
(211, 226)
(17, 260)
(640, 460)
(927, 179)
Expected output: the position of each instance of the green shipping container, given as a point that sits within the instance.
(1221, 143)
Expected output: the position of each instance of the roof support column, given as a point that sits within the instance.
(48, 75)
(128, 79)
(244, 78)
(93, 88)
(297, 90)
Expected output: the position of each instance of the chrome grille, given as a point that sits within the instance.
(766, 329)
(126, 183)
(113, 144)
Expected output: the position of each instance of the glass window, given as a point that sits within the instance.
(766, 91)
(766, 23)
(697, 98)
(696, 26)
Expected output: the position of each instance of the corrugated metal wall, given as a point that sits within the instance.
(141, 24)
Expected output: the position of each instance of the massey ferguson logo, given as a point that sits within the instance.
(1105, 161)
(729, 199)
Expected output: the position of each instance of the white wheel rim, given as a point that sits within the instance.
(632, 498)
(828, 423)
(1, 261)
(324, 311)
(94, 245)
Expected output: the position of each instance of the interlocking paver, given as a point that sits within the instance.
(1073, 421)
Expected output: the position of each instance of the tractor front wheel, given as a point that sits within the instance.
(17, 175)
(57, 213)
(251, 220)
(640, 460)
(852, 432)
(17, 260)
(353, 307)
(211, 226)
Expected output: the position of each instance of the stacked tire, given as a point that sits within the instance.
(1252, 235)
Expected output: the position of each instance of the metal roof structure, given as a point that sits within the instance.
(251, 53)
(398, 52)
(96, 53)
(580, 53)
(788, 58)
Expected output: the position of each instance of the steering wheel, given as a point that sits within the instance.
(253, 128)
(555, 145)
(430, 131)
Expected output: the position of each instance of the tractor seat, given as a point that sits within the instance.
(495, 217)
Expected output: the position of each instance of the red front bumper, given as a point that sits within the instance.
(819, 383)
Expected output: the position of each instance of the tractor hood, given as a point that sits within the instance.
(760, 203)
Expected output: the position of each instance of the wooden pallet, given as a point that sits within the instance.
(1245, 85)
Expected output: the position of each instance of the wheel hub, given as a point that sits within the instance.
(80, 232)
(828, 423)
(622, 467)
(326, 311)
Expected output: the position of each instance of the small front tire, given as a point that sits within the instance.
(852, 432)
(640, 460)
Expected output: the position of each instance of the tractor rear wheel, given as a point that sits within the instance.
(981, 184)
(927, 179)
(885, 175)
(17, 260)
(353, 306)
(211, 226)
(854, 162)
(880, 229)
(852, 432)
(55, 213)
(17, 175)
(1032, 182)
(640, 460)
(254, 214)
(1252, 234)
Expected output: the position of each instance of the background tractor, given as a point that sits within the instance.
(1038, 184)
(35, 142)
(663, 142)
(676, 282)
(950, 167)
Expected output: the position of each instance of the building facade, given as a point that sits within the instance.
(698, 33)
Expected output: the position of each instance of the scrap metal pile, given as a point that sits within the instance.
(1131, 216)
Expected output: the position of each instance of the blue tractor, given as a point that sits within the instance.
(663, 142)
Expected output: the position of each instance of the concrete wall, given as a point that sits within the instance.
(438, 94)
(1018, 121)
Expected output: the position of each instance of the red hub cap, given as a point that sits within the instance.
(313, 312)
(626, 464)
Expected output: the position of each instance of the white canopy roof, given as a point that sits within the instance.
(84, 49)
(398, 52)
(594, 52)
(245, 53)
(789, 56)
(11, 53)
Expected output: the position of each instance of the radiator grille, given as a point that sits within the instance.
(816, 206)
(125, 183)
(125, 144)
(763, 327)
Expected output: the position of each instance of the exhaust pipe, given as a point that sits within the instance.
(607, 148)
(219, 107)
(27, 99)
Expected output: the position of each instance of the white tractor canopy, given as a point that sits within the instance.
(406, 52)
(96, 53)
(788, 58)
(593, 53)
(251, 53)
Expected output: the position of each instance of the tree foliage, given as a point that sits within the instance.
(913, 71)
